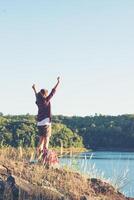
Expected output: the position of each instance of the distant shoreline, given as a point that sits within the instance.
(81, 150)
(113, 149)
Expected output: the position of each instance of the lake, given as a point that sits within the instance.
(116, 167)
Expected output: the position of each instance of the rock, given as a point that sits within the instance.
(100, 186)
(93, 180)
(84, 198)
(2, 187)
(11, 191)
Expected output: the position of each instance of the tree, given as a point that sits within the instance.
(64, 134)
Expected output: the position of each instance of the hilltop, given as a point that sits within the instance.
(36, 182)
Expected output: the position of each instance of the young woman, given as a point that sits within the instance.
(44, 116)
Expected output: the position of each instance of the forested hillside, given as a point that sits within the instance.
(100, 131)
(94, 132)
(22, 131)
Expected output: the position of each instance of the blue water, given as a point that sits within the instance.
(117, 167)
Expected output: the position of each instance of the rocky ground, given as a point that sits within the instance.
(21, 180)
(35, 182)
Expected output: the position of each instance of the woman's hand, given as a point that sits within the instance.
(33, 86)
(58, 79)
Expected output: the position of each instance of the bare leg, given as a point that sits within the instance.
(46, 142)
(40, 145)
(47, 137)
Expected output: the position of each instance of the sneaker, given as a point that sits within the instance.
(33, 161)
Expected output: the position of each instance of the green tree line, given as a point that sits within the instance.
(102, 132)
(95, 132)
(22, 131)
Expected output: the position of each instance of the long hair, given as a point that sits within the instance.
(39, 98)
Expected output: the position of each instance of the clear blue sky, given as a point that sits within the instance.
(88, 43)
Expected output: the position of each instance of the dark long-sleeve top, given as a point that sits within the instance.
(44, 106)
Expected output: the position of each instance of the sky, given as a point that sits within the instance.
(88, 43)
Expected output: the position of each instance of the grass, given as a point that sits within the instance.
(119, 180)
(55, 183)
